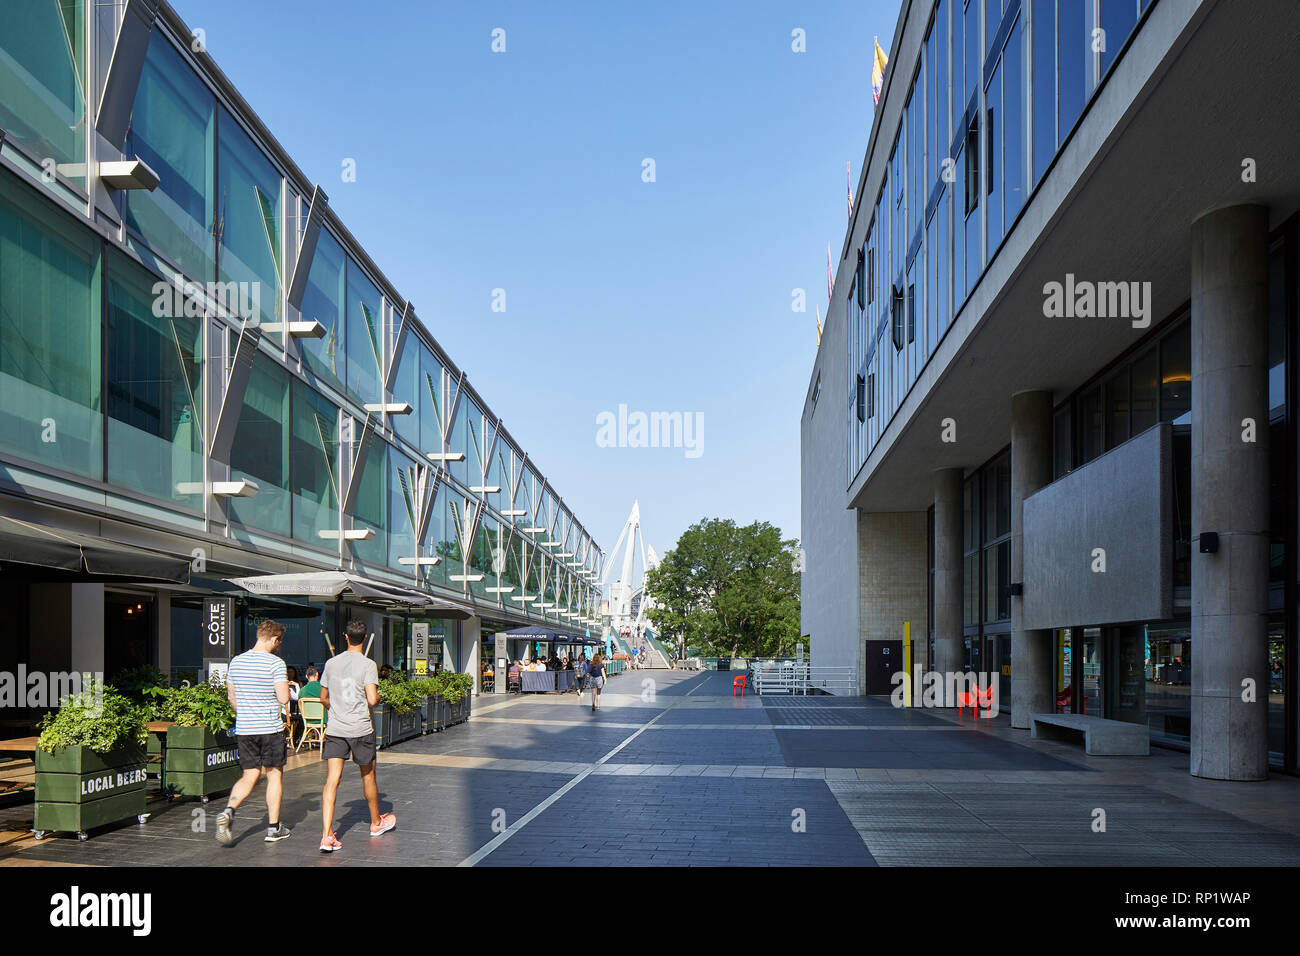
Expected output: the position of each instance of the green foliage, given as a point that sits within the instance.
(728, 590)
(99, 718)
(448, 685)
(400, 694)
(199, 705)
(134, 682)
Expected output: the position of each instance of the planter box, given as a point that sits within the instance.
(428, 716)
(78, 789)
(390, 728)
(200, 763)
(154, 751)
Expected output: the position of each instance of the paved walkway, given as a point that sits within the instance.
(674, 770)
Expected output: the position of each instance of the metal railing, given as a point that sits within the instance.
(800, 677)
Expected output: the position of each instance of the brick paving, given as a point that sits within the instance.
(675, 770)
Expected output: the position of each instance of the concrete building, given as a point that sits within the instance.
(204, 376)
(1051, 426)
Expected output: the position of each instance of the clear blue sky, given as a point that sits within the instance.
(522, 171)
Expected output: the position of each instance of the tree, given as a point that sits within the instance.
(723, 588)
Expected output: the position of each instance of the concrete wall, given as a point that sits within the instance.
(828, 532)
(893, 584)
(1120, 503)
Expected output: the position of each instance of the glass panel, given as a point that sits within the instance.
(406, 388)
(430, 402)
(322, 302)
(1118, 17)
(459, 441)
(1092, 426)
(1176, 375)
(1015, 128)
(970, 616)
(972, 58)
(371, 509)
(173, 129)
(365, 328)
(313, 461)
(970, 515)
(485, 543)
(992, 20)
(1117, 408)
(1169, 680)
(1276, 690)
(1090, 654)
(997, 499)
(1146, 390)
(1044, 81)
(436, 539)
(248, 218)
(402, 511)
(42, 93)
(993, 175)
(155, 439)
(261, 449)
(1072, 46)
(49, 337)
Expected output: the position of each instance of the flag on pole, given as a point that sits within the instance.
(848, 179)
(830, 280)
(818, 310)
(878, 72)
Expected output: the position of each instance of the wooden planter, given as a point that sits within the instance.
(390, 728)
(154, 751)
(78, 789)
(200, 763)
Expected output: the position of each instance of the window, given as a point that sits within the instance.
(993, 174)
(1044, 81)
(1072, 46)
(898, 319)
(365, 329)
(1015, 124)
(860, 281)
(871, 275)
(911, 313)
(1118, 17)
(313, 464)
(817, 392)
(862, 399)
(371, 509)
(173, 129)
(261, 449)
(154, 395)
(972, 165)
(49, 336)
(403, 509)
(322, 302)
(248, 217)
(871, 395)
(42, 83)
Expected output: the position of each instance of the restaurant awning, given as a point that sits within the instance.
(330, 585)
(539, 632)
(23, 542)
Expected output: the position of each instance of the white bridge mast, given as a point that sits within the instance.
(627, 597)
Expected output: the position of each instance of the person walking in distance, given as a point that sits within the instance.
(349, 688)
(257, 685)
(596, 680)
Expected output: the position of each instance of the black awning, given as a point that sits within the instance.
(23, 542)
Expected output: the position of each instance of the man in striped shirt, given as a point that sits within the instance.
(257, 684)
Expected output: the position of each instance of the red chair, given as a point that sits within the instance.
(738, 681)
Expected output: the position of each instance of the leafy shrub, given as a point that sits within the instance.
(99, 718)
(199, 705)
(455, 686)
(400, 694)
(134, 682)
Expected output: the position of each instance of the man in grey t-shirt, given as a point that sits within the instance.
(349, 688)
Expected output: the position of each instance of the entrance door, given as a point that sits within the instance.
(128, 632)
(884, 659)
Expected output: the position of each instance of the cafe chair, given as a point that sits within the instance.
(313, 722)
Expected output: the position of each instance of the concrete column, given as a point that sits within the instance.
(947, 570)
(1031, 468)
(469, 638)
(1229, 488)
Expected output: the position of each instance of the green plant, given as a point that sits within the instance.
(199, 705)
(426, 686)
(452, 686)
(135, 682)
(401, 695)
(100, 718)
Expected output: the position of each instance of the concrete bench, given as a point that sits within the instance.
(1100, 736)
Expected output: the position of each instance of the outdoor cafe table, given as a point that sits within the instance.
(18, 747)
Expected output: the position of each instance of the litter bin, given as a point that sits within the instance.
(724, 663)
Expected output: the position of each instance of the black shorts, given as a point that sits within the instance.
(262, 750)
(361, 748)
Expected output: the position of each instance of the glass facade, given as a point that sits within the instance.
(979, 129)
(80, 316)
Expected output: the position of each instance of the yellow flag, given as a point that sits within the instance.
(818, 310)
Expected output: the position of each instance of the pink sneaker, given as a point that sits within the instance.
(330, 844)
(386, 822)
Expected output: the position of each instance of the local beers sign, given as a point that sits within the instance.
(218, 619)
(420, 648)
